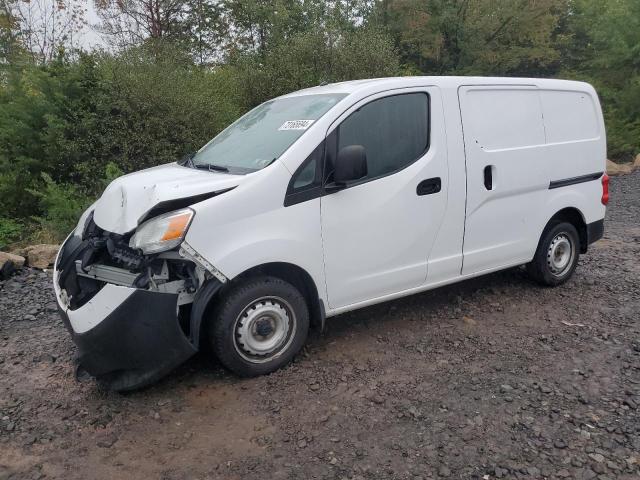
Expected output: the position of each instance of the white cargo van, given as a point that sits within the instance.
(327, 200)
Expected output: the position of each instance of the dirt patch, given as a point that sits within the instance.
(491, 378)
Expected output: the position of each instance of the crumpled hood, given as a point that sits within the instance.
(127, 199)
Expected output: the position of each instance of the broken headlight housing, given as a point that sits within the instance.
(163, 232)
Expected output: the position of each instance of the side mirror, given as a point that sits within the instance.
(351, 165)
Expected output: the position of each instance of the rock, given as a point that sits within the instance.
(533, 472)
(613, 466)
(302, 444)
(314, 387)
(545, 389)
(560, 444)
(587, 474)
(597, 457)
(375, 398)
(636, 162)
(9, 263)
(41, 256)
(469, 321)
(107, 441)
(414, 412)
(614, 169)
(444, 471)
(500, 472)
(16, 260)
(82, 375)
(6, 270)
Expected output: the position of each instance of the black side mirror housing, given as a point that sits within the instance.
(351, 165)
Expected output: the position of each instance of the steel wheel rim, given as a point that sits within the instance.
(560, 254)
(264, 329)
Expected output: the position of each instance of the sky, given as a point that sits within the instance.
(89, 37)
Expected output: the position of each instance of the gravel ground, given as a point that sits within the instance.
(491, 378)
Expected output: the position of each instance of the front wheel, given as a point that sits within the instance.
(557, 255)
(259, 325)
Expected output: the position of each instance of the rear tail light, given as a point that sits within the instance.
(605, 189)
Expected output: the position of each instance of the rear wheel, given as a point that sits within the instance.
(557, 255)
(259, 325)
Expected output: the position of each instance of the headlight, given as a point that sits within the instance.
(162, 232)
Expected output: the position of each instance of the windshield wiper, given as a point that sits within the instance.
(187, 160)
(211, 167)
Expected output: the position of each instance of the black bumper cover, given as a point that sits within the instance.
(595, 231)
(139, 342)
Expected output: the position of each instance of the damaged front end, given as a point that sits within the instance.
(134, 316)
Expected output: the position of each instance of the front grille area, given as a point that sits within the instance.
(101, 257)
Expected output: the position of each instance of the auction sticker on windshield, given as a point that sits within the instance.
(296, 125)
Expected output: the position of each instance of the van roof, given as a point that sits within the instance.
(440, 81)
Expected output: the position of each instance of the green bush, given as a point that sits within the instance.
(61, 205)
(153, 108)
(65, 121)
(111, 172)
(10, 231)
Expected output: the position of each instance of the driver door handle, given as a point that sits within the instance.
(429, 186)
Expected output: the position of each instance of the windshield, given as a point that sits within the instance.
(259, 137)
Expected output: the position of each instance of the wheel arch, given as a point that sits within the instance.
(299, 278)
(288, 272)
(575, 217)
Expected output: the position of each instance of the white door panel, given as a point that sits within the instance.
(377, 236)
(506, 181)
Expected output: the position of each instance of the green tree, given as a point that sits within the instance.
(310, 58)
(503, 37)
(184, 69)
(10, 45)
(132, 22)
(601, 44)
(205, 30)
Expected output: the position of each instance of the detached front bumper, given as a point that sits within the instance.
(126, 337)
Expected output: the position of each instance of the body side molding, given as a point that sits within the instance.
(573, 180)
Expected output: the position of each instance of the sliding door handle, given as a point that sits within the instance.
(488, 177)
(429, 186)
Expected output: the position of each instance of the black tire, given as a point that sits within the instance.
(237, 311)
(543, 269)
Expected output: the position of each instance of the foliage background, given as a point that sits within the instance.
(178, 71)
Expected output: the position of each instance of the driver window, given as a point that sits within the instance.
(393, 130)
